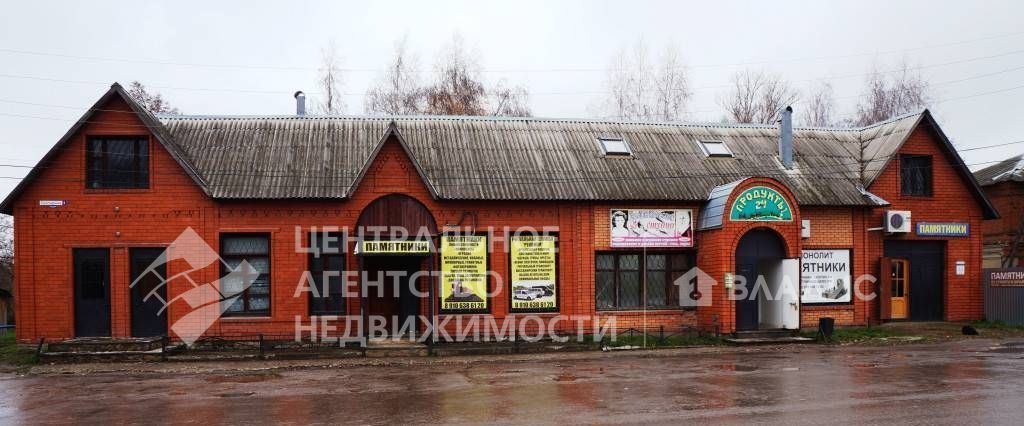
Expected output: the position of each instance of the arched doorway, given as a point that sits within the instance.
(390, 293)
(759, 257)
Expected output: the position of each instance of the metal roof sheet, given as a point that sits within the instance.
(1010, 169)
(510, 158)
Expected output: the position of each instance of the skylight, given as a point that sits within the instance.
(715, 148)
(615, 146)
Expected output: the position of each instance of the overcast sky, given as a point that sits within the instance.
(248, 57)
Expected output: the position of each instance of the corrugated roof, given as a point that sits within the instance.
(1010, 169)
(882, 140)
(502, 158)
(510, 158)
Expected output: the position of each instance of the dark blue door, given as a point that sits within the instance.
(149, 294)
(92, 292)
(927, 283)
(756, 247)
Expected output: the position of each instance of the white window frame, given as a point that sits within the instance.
(604, 148)
(707, 152)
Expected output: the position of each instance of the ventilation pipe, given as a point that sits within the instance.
(786, 138)
(300, 103)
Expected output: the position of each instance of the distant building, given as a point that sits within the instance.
(6, 294)
(1004, 237)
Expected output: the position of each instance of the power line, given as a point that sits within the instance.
(557, 93)
(491, 70)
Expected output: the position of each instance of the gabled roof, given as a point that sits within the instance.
(1010, 169)
(147, 118)
(499, 158)
(491, 158)
(883, 140)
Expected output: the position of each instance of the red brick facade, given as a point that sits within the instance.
(154, 217)
(1008, 198)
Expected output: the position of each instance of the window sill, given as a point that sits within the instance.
(116, 190)
(649, 310)
(327, 314)
(246, 317)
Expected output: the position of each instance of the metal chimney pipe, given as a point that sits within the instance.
(786, 138)
(300, 103)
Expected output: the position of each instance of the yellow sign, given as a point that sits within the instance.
(463, 273)
(393, 247)
(534, 274)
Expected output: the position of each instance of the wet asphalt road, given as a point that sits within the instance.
(967, 382)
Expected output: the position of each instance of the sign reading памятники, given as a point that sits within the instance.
(393, 247)
(943, 229)
(825, 276)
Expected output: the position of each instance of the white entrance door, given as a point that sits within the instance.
(790, 299)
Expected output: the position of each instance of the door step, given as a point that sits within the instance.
(765, 333)
(386, 347)
(767, 337)
(767, 340)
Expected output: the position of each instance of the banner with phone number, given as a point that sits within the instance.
(534, 273)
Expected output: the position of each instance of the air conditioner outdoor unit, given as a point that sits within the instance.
(897, 221)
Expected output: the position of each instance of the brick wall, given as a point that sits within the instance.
(122, 219)
(1008, 199)
(951, 202)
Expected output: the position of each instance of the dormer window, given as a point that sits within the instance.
(117, 163)
(615, 146)
(713, 148)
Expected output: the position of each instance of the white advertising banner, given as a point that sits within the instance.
(825, 276)
(651, 228)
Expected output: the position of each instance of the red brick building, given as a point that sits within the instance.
(631, 208)
(1003, 182)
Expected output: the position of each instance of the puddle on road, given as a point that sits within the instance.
(236, 394)
(1008, 351)
(565, 377)
(736, 367)
(243, 378)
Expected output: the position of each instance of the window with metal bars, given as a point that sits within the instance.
(117, 163)
(245, 274)
(621, 278)
(916, 175)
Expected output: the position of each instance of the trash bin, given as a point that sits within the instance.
(826, 326)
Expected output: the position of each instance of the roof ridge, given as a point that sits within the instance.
(172, 117)
(893, 119)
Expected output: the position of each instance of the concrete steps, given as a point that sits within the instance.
(103, 349)
(767, 337)
(383, 347)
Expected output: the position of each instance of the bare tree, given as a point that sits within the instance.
(398, 92)
(329, 81)
(639, 89)
(819, 109)
(154, 102)
(458, 88)
(6, 239)
(758, 97)
(509, 101)
(890, 94)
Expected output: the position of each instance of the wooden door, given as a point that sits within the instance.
(899, 299)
